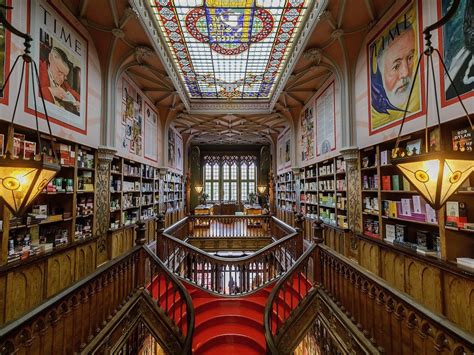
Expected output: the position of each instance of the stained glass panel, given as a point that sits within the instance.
(229, 49)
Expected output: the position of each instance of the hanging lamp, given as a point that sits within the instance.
(436, 175)
(21, 180)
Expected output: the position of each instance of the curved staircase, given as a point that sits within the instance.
(228, 325)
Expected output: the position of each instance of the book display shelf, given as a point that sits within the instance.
(173, 197)
(394, 211)
(323, 192)
(286, 197)
(132, 193)
(63, 213)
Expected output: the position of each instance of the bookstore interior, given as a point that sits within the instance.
(247, 176)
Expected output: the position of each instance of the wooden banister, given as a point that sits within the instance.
(290, 292)
(67, 322)
(231, 276)
(389, 318)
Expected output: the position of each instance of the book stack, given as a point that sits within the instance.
(466, 262)
(67, 155)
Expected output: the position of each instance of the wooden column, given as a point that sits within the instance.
(102, 200)
(354, 203)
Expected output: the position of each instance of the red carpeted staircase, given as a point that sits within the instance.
(228, 325)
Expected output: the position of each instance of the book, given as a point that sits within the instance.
(392, 209)
(430, 214)
(413, 147)
(384, 157)
(422, 239)
(400, 232)
(462, 140)
(406, 206)
(417, 205)
(452, 214)
(405, 184)
(386, 182)
(386, 208)
(435, 140)
(390, 232)
(395, 182)
(29, 150)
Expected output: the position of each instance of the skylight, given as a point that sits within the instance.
(229, 49)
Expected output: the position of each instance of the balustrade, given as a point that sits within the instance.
(69, 321)
(386, 316)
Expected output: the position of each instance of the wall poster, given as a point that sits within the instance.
(61, 53)
(284, 150)
(132, 118)
(392, 57)
(457, 49)
(5, 37)
(151, 133)
(179, 152)
(326, 120)
(171, 148)
(307, 134)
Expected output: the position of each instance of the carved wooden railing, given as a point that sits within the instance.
(288, 296)
(388, 317)
(230, 276)
(69, 321)
(229, 227)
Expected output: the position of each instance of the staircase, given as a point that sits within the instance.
(229, 325)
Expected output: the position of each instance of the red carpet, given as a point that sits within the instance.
(225, 325)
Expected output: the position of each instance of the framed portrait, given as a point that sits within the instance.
(307, 133)
(457, 48)
(61, 52)
(392, 57)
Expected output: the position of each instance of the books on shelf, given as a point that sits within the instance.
(462, 140)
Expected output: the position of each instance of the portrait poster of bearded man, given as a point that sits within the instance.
(393, 55)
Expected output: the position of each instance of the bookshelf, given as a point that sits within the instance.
(394, 212)
(286, 196)
(318, 192)
(323, 192)
(172, 192)
(63, 213)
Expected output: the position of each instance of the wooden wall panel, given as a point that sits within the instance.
(423, 283)
(61, 272)
(369, 257)
(25, 290)
(460, 306)
(393, 269)
(121, 241)
(85, 260)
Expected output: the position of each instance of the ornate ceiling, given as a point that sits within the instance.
(125, 44)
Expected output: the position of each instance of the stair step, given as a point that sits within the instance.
(229, 344)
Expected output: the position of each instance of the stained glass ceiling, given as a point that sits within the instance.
(229, 49)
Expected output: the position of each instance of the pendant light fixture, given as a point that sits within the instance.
(21, 180)
(436, 175)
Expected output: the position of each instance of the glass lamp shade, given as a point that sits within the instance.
(262, 189)
(436, 176)
(22, 180)
(198, 189)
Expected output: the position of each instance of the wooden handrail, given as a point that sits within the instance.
(67, 322)
(388, 317)
(289, 293)
(231, 276)
(186, 328)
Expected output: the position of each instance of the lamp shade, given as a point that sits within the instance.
(198, 189)
(436, 176)
(262, 189)
(22, 180)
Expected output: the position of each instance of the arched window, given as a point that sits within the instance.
(229, 182)
(211, 181)
(248, 178)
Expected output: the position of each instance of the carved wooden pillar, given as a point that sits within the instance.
(271, 193)
(102, 200)
(354, 203)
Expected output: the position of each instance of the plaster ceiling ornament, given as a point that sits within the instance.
(141, 52)
(313, 54)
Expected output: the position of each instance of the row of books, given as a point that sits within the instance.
(395, 183)
(414, 209)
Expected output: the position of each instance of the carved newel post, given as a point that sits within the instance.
(354, 215)
(102, 199)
